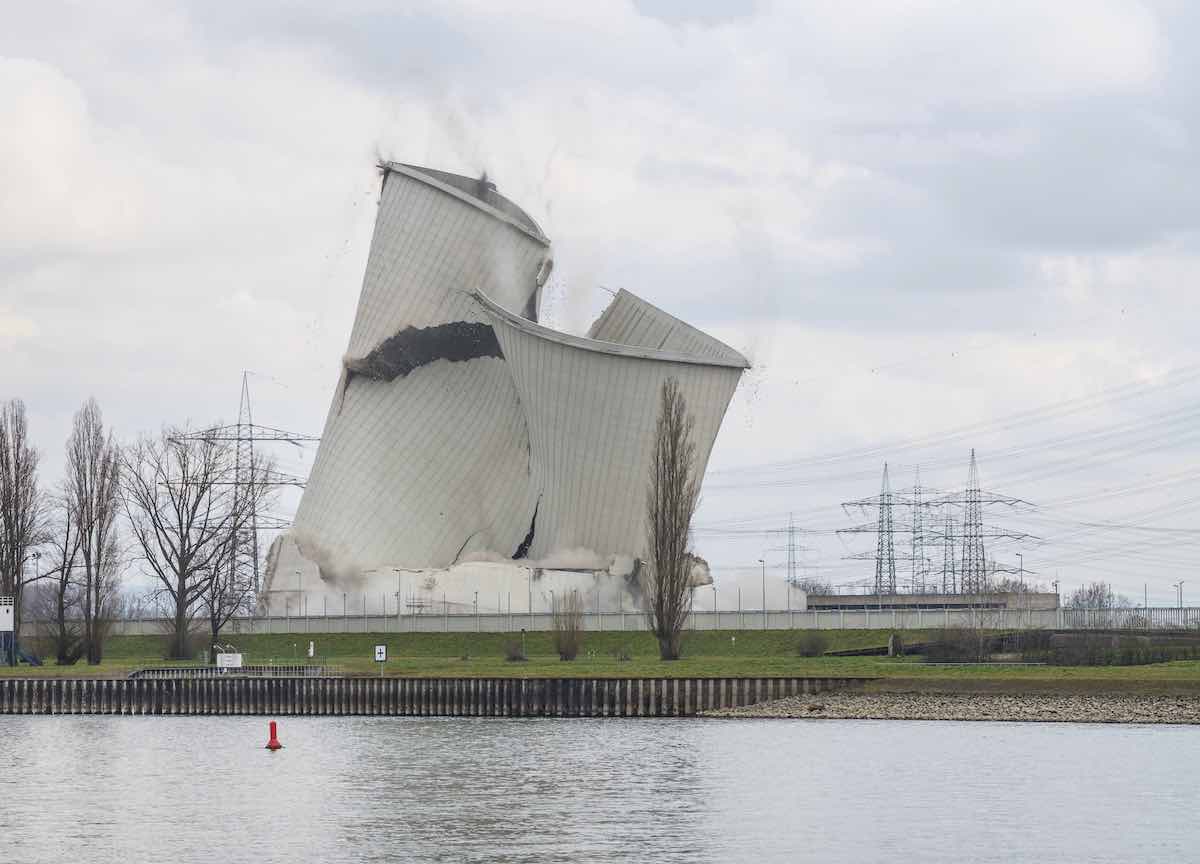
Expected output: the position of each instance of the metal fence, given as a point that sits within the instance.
(1166, 618)
(1153, 618)
(252, 671)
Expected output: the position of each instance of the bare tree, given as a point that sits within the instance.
(230, 589)
(227, 591)
(568, 624)
(671, 500)
(188, 515)
(1097, 595)
(22, 510)
(1009, 585)
(60, 599)
(93, 475)
(812, 585)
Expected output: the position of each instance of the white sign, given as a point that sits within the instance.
(229, 661)
(380, 653)
(6, 614)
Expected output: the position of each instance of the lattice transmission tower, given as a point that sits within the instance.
(885, 549)
(965, 569)
(920, 565)
(792, 548)
(249, 477)
(884, 529)
(949, 563)
(974, 559)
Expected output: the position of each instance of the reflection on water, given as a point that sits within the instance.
(123, 789)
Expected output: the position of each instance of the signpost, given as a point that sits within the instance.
(8, 646)
(229, 660)
(380, 657)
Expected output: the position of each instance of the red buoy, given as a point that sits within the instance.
(274, 744)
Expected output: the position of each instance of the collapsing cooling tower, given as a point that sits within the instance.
(461, 429)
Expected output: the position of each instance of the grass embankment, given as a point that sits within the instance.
(706, 654)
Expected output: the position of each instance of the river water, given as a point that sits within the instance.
(134, 789)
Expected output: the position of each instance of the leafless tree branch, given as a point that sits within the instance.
(93, 477)
(671, 500)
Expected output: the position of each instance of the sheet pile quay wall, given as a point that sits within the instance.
(403, 697)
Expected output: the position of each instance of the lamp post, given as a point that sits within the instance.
(716, 614)
(1178, 586)
(1021, 576)
(763, 562)
(399, 596)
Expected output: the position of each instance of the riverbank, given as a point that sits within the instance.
(707, 654)
(1038, 707)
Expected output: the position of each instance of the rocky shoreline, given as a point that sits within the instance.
(1031, 707)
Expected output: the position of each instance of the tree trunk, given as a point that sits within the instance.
(215, 627)
(668, 646)
(95, 649)
(179, 647)
(61, 616)
(89, 614)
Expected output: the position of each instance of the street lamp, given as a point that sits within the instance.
(764, 591)
(1021, 577)
(1178, 586)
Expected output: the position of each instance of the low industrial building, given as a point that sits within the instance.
(1024, 601)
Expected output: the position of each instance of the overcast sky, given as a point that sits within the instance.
(923, 222)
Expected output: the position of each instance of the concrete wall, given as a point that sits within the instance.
(1159, 618)
(627, 621)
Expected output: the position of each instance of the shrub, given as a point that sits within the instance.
(1110, 649)
(568, 625)
(959, 645)
(812, 643)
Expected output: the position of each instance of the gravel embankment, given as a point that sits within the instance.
(1089, 708)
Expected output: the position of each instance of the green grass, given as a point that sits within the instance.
(706, 654)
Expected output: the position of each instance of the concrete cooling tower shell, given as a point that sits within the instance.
(461, 429)
(592, 408)
(424, 452)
